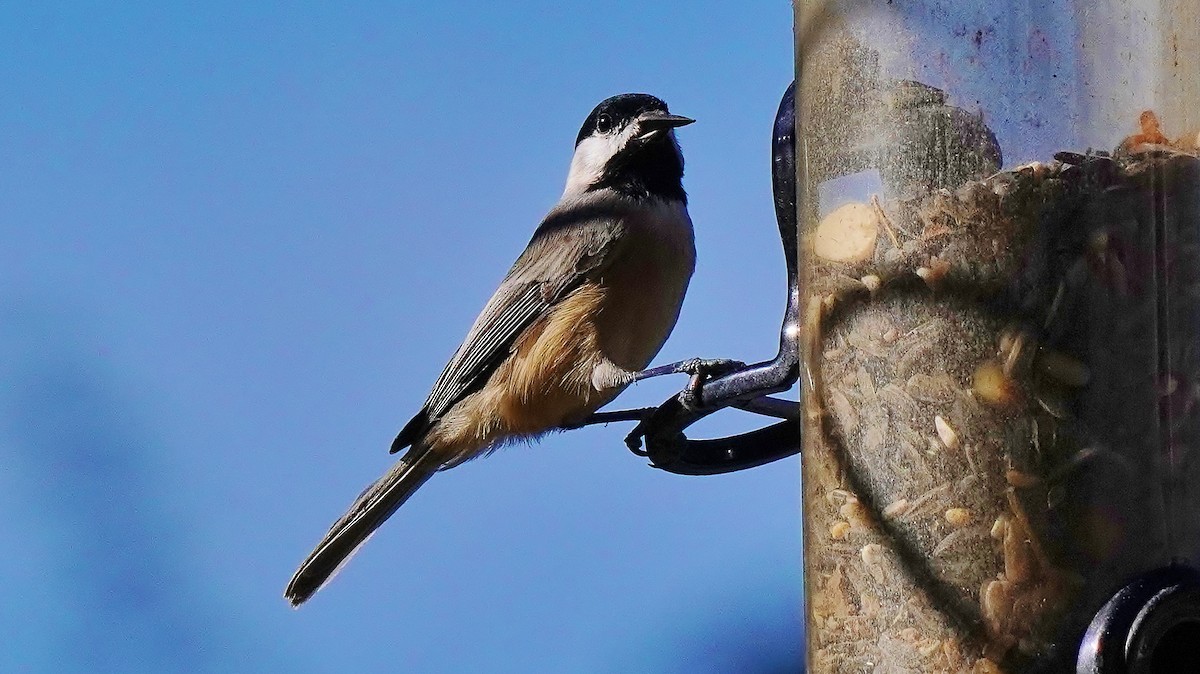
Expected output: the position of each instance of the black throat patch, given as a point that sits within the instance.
(653, 170)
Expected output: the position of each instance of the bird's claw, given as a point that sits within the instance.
(701, 371)
(664, 444)
(710, 367)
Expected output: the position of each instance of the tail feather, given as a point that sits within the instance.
(372, 508)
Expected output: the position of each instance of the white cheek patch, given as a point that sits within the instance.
(587, 165)
(592, 155)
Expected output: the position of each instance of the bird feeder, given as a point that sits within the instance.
(999, 212)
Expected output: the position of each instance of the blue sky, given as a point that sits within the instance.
(237, 245)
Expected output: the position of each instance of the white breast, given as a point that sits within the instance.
(647, 285)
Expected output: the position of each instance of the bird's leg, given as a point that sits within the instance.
(700, 369)
(637, 414)
(609, 375)
(693, 366)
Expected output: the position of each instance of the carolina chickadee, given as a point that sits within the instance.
(584, 308)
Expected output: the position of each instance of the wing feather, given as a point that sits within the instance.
(572, 245)
(493, 333)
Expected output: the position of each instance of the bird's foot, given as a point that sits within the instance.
(660, 429)
(701, 371)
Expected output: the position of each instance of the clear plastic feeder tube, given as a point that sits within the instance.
(1000, 280)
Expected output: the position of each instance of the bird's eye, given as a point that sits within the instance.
(604, 123)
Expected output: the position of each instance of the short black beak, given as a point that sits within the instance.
(658, 121)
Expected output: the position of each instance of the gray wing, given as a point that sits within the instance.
(571, 246)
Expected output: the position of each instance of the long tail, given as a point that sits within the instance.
(373, 507)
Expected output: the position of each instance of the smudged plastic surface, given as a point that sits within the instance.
(1000, 264)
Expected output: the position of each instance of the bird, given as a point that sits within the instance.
(583, 310)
